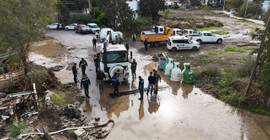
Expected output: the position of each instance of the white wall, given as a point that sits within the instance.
(134, 6)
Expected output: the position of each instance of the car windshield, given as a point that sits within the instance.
(93, 26)
(116, 57)
(82, 26)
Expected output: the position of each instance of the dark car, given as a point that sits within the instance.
(83, 29)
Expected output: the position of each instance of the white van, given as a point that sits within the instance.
(182, 43)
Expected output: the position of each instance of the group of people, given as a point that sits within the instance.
(153, 80)
(85, 82)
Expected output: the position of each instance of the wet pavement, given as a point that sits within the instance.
(179, 111)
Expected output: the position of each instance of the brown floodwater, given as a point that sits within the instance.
(179, 111)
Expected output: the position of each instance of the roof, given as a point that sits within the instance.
(178, 37)
(116, 47)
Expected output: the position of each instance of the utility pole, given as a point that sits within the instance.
(246, 10)
(258, 57)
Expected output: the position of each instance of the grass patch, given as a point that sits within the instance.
(207, 28)
(249, 48)
(234, 49)
(214, 53)
(17, 128)
(234, 98)
(221, 32)
(59, 98)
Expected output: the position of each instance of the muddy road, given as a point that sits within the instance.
(179, 111)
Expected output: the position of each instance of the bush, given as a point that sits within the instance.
(17, 128)
(244, 69)
(81, 18)
(102, 20)
(38, 76)
(235, 98)
(210, 70)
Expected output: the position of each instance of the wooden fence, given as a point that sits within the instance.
(10, 79)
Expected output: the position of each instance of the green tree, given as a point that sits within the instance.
(254, 9)
(195, 3)
(150, 8)
(120, 16)
(64, 8)
(234, 3)
(22, 24)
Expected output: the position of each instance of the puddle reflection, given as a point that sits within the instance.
(141, 110)
(187, 89)
(153, 104)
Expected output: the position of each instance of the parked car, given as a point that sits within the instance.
(54, 26)
(182, 43)
(115, 36)
(207, 37)
(188, 32)
(71, 26)
(83, 29)
(94, 27)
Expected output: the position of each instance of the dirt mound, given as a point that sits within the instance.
(190, 23)
(48, 48)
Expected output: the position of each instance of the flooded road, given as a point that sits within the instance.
(179, 111)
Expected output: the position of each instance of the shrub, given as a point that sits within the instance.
(245, 68)
(17, 128)
(81, 18)
(234, 98)
(102, 20)
(210, 70)
(38, 76)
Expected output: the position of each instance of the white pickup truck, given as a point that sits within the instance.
(207, 37)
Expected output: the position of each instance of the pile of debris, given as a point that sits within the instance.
(190, 23)
(22, 105)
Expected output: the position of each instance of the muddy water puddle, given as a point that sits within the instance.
(179, 111)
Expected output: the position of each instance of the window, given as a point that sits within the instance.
(185, 32)
(178, 41)
(161, 29)
(115, 57)
(205, 34)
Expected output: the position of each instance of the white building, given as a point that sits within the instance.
(134, 6)
(266, 5)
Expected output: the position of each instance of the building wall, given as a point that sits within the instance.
(134, 6)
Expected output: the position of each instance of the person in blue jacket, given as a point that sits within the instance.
(115, 84)
(141, 87)
(85, 82)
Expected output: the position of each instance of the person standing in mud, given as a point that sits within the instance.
(85, 83)
(151, 82)
(83, 64)
(145, 44)
(134, 37)
(115, 83)
(127, 46)
(96, 62)
(133, 68)
(75, 72)
(94, 41)
(100, 78)
(157, 79)
(141, 87)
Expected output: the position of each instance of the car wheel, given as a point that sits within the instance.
(219, 41)
(174, 49)
(199, 41)
(156, 44)
(194, 48)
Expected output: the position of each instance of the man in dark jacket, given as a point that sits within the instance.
(100, 78)
(115, 84)
(94, 41)
(151, 82)
(141, 87)
(83, 64)
(75, 72)
(133, 68)
(85, 82)
(127, 46)
(145, 44)
(96, 62)
(157, 79)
